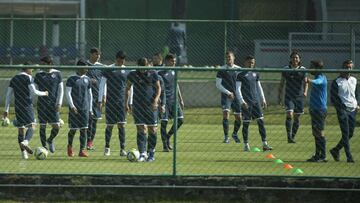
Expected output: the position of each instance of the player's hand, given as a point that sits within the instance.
(264, 105)
(93, 81)
(58, 108)
(46, 93)
(99, 104)
(104, 100)
(74, 109)
(128, 108)
(162, 109)
(357, 108)
(91, 113)
(245, 105)
(154, 106)
(305, 94)
(231, 95)
(5, 115)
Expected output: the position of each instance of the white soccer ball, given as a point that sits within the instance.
(5, 122)
(61, 122)
(40, 153)
(133, 155)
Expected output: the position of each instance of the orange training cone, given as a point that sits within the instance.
(270, 156)
(288, 166)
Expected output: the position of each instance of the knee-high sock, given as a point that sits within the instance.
(172, 130)
(262, 131)
(91, 131)
(288, 125)
(83, 138)
(226, 126)
(20, 139)
(71, 136)
(54, 132)
(237, 125)
(245, 132)
(163, 133)
(317, 146)
(152, 141)
(323, 147)
(108, 134)
(122, 137)
(29, 133)
(295, 127)
(43, 136)
(141, 142)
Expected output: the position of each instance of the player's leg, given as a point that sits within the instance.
(54, 132)
(21, 132)
(70, 149)
(246, 116)
(298, 111)
(83, 139)
(289, 108)
(163, 125)
(152, 142)
(236, 107)
(258, 115)
(42, 132)
(108, 134)
(226, 105)
(121, 128)
(141, 141)
(180, 121)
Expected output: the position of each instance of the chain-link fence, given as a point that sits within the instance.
(198, 145)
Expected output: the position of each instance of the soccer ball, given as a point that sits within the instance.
(40, 153)
(133, 155)
(5, 122)
(61, 122)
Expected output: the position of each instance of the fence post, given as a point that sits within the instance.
(175, 120)
(352, 44)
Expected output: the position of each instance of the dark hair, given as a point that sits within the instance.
(81, 62)
(121, 55)
(158, 54)
(348, 61)
(142, 61)
(293, 54)
(47, 59)
(26, 63)
(94, 50)
(169, 56)
(317, 64)
(229, 52)
(249, 57)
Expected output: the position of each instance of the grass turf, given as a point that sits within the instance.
(200, 150)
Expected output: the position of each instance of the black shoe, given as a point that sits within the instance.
(324, 160)
(291, 140)
(168, 145)
(236, 138)
(313, 159)
(335, 154)
(350, 160)
(165, 149)
(267, 148)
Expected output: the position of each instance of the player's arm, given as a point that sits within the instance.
(69, 99)
(127, 95)
(239, 94)
(90, 98)
(262, 95)
(222, 88)
(281, 88)
(60, 96)
(102, 90)
(9, 94)
(157, 95)
(33, 90)
(334, 95)
(306, 85)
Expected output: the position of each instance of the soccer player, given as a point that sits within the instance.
(146, 87)
(22, 87)
(295, 93)
(95, 78)
(318, 110)
(157, 60)
(251, 96)
(226, 83)
(345, 99)
(79, 97)
(49, 107)
(115, 81)
(168, 78)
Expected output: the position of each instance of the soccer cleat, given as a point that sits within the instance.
(123, 152)
(24, 154)
(107, 151)
(226, 140)
(267, 148)
(236, 138)
(168, 145)
(151, 157)
(165, 149)
(83, 153)
(25, 145)
(335, 154)
(70, 151)
(313, 159)
(351, 160)
(247, 147)
(90, 145)
(291, 141)
(51, 146)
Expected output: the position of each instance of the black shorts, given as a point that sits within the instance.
(318, 118)
(24, 117)
(170, 114)
(48, 115)
(253, 112)
(228, 104)
(115, 113)
(295, 105)
(144, 115)
(79, 120)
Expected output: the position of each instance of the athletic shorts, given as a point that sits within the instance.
(170, 114)
(144, 115)
(115, 113)
(295, 105)
(79, 120)
(228, 104)
(254, 111)
(318, 118)
(24, 117)
(48, 115)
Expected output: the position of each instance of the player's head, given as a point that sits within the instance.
(120, 58)
(295, 59)
(249, 62)
(142, 62)
(94, 55)
(81, 71)
(347, 64)
(230, 58)
(26, 69)
(47, 60)
(170, 60)
(316, 64)
(157, 59)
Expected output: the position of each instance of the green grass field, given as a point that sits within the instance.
(200, 150)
